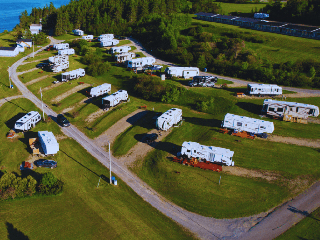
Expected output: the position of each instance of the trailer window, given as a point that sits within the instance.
(239, 124)
(280, 110)
(271, 109)
(297, 109)
(188, 151)
(311, 111)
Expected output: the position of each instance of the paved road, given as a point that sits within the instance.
(204, 227)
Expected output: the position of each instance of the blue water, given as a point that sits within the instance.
(10, 10)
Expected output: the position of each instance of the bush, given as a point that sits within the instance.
(50, 185)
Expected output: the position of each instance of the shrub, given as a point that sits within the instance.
(50, 185)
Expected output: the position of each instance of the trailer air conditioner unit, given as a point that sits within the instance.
(264, 89)
(27, 121)
(73, 74)
(139, 63)
(184, 72)
(205, 153)
(250, 125)
(69, 51)
(122, 49)
(100, 90)
(114, 99)
(281, 108)
(169, 118)
(61, 46)
(48, 142)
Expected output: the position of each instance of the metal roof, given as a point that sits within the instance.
(7, 48)
(24, 40)
(274, 24)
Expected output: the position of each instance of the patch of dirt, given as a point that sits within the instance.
(53, 85)
(26, 62)
(119, 127)
(30, 70)
(314, 143)
(95, 115)
(69, 109)
(314, 120)
(243, 172)
(68, 93)
(61, 137)
(7, 99)
(300, 95)
(36, 80)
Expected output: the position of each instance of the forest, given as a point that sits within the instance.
(165, 28)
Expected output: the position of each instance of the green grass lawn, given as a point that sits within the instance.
(27, 66)
(123, 42)
(140, 54)
(227, 8)
(308, 228)
(67, 37)
(83, 211)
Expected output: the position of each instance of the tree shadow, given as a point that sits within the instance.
(250, 107)
(14, 233)
(25, 139)
(203, 122)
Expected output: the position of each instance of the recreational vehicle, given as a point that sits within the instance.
(78, 32)
(108, 43)
(100, 90)
(250, 125)
(27, 121)
(88, 37)
(59, 59)
(289, 111)
(114, 99)
(69, 51)
(122, 57)
(48, 142)
(58, 67)
(169, 118)
(203, 81)
(185, 72)
(139, 63)
(105, 37)
(263, 89)
(205, 153)
(73, 74)
(122, 49)
(61, 46)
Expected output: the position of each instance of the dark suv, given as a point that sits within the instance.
(46, 163)
(63, 121)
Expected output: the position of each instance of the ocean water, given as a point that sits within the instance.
(10, 10)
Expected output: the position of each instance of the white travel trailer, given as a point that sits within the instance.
(122, 57)
(211, 154)
(78, 32)
(185, 72)
(48, 142)
(61, 46)
(139, 63)
(264, 89)
(73, 74)
(58, 67)
(69, 51)
(105, 37)
(108, 43)
(261, 15)
(115, 98)
(122, 49)
(59, 59)
(250, 125)
(100, 90)
(293, 109)
(88, 37)
(169, 118)
(27, 121)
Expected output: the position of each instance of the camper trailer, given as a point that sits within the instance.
(203, 81)
(69, 51)
(58, 67)
(59, 59)
(105, 37)
(114, 99)
(73, 74)
(109, 43)
(77, 32)
(100, 90)
(88, 37)
(261, 15)
(185, 72)
(61, 46)
(27, 121)
(123, 57)
(264, 89)
(169, 118)
(139, 63)
(289, 111)
(205, 153)
(122, 49)
(250, 125)
(48, 142)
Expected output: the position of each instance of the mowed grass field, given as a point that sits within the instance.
(82, 211)
(227, 8)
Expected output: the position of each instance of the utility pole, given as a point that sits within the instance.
(9, 78)
(33, 49)
(110, 162)
(42, 104)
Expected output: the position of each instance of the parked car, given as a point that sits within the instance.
(63, 121)
(46, 163)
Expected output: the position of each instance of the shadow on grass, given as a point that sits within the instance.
(25, 139)
(250, 107)
(11, 122)
(133, 119)
(15, 234)
(203, 122)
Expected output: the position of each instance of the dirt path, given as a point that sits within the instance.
(82, 102)
(119, 127)
(26, 62)
(53, 85)
(68, 93)
(30, 70)
(314, 143)
(95, 115)
(7, 99)
(36, 80)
